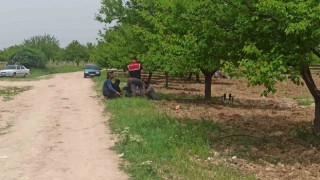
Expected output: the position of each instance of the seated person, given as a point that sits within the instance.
(137, 87)
(150, 91)
(107, 90)
(127, 90)
(116, 85)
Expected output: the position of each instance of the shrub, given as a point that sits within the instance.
(29, 58)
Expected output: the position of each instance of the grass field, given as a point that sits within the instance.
(36, 73)
(156, 146)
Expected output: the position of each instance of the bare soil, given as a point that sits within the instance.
(267, 136)
(56, 130)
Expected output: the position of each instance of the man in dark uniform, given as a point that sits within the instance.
(134, 69)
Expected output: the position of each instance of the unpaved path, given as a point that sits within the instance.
(58, 133)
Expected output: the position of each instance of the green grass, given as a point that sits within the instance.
(9, 92)
(157, 146)
(303, 100)
(173, 97)
(37, 73)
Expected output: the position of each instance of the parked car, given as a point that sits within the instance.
(14, 71)
(91, 70)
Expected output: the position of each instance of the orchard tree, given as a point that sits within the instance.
(126, 39)
(281, 38)
(197, 34)
(100, 55)
(48, 44)
(76, 52)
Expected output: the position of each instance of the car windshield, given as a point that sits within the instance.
(10, 67)
(92, 66)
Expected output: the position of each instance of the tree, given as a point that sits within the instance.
(196, 34)
(29, 57)
(76, 52)
(280, 38)
(48, 44)
(7, 53)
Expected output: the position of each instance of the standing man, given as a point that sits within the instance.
(134, 69)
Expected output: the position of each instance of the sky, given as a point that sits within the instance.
(67, 20)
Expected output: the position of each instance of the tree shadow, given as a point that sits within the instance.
(244, 103)
(272, 139)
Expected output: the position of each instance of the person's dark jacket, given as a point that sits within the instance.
(107, 87)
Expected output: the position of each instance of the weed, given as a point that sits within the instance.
(5, 127)
(9, 92)
(303, 100)
(306, 135)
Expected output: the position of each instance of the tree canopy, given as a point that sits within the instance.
(76, 52)
(48, 44)
(176, 36)
(29, 57)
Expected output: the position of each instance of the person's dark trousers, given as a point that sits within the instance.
(110, 95)
(136, 85)
(151, 93)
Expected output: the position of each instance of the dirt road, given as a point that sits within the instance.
(58, 133)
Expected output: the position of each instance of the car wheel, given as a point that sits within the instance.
(25, 75)
(14, 75)
(85, 76)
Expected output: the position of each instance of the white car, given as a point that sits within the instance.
(14, 71)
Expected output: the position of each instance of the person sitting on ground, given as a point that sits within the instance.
(127, 90)
(136, 87)
(150, 92)
(116, 85)
(107, 90)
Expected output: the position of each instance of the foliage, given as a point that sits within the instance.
(175, 37)
(279, 37)
(99, 55)
(29, 58)
(7, 53)
(76, 52)
(9, 92)
(48, 44)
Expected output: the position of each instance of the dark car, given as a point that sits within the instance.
(91, 70)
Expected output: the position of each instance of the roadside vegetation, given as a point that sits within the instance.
(249, 138)
(4, 128)
(9, 92)
(156, 146)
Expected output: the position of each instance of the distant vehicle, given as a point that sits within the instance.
(14, 71)
(91, 70)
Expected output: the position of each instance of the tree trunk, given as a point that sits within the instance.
(190, 76)
(198, 78)
(307, 77)
(149, 77)
(167, 80)
(207, 82)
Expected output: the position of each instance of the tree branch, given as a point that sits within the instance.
(315, 51)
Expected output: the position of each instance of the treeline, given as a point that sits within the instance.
(37, 51)
(265, 41)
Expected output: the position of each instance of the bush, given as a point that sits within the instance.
(29, 57)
